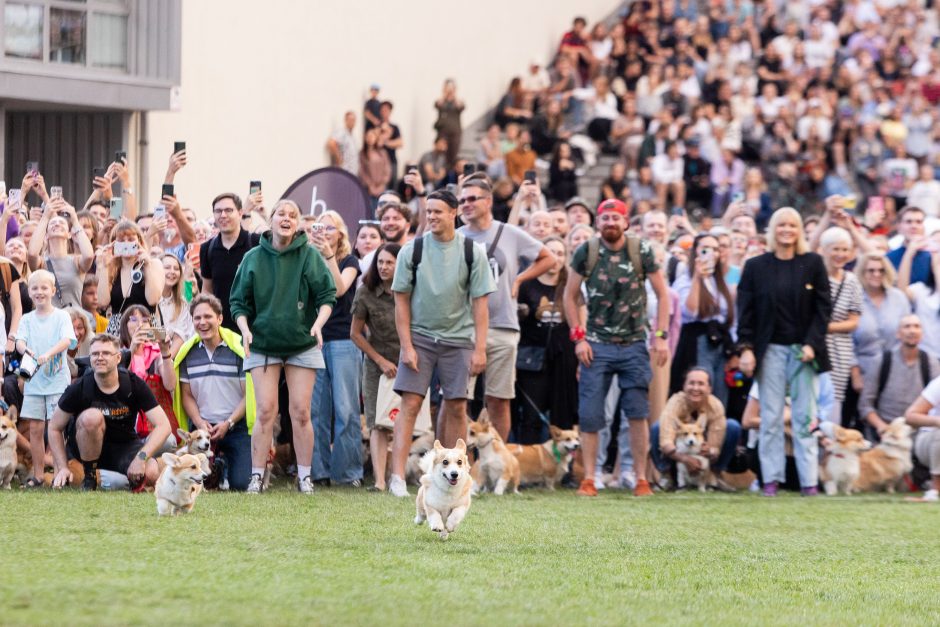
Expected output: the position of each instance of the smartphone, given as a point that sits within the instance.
(737, 197)
(125, 249)
(849, 203)
(55, 192)
(179, 147)
(120, 156)
(317, 227)
(14, 196)
(411, 168)
(32, 167)
(3, 187)
(98, 172)
(158, 334)
(117, 208)
(167, 190)
(469, 169)
(530, 176)
(159, 211)
(707, 256)
(254, 187)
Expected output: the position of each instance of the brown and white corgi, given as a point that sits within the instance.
(497, 469)
(180, 483)
(547, 463)
(841, 465)
(885, 465)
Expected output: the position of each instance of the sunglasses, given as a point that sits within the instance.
(467, 200)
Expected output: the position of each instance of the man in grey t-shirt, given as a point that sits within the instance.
(513, 246)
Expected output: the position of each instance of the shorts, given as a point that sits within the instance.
(311, 358)
(631, 364)
(39, 406)
(115, 455)
(501, 349)
(453, 367)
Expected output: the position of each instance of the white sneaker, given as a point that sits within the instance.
(256, 485)
(931, 495)
(305, 485)
(599, 481)
(628, 479)
(397, 487)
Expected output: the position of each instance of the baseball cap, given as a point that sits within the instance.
(577, 201)
(612, 204)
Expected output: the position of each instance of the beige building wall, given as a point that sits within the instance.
(265, 83)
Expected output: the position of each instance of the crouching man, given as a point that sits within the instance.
(96, 419)
(695, 403)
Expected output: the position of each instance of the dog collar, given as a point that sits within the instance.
(838, 455)
(556, 453)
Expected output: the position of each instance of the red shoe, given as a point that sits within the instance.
(642, 488)
(587, 488)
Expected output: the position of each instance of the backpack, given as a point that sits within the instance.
(885, 371)
(418, 250)
(633, 251)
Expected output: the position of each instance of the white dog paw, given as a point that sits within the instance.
(419, 520)
(444, 534)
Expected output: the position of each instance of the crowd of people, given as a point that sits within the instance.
(762, 261)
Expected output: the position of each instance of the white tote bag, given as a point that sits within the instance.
(388, 405)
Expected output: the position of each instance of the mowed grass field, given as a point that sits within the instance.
(346, 556)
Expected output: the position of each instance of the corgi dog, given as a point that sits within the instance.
(180, 483)
(497, 469)
(444, 496)
(548, 462)
(689, 440)
(7, 449)
(419, 447)
(885, 464)
(840, 467)
(194, 442)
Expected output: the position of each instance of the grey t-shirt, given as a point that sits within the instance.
(69, 281)
(514, 245)
(902, 388)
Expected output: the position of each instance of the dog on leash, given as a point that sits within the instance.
(180, 483)
(7, 450)
(547, 463)
(885, 465)
(689, 440)
(497, 469)
(841, 466)
(444, 496)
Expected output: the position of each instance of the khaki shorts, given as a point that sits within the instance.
(501, 348)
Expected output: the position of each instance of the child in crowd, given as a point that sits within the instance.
(44, 333)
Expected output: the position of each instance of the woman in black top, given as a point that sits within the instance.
(546, 367)
(126, 273)
(336, 392)
(784, 310)
(563, 181)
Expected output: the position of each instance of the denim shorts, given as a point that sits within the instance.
(631, 364)
(311, 358)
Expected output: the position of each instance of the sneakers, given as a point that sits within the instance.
(305, 485)
(599, 481)
(931, 496)
(397, 487)
(628, 479)
(770, 489)
(587, 488)
(90, 482)
(810, 491)
(256, 485)
(642, 488)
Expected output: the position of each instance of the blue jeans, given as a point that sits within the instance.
(336, 401)
(732, 435)
(631, 364)
(712, 359)
(235, 447)
(782, 373)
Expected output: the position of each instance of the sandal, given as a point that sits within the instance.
(32, 483)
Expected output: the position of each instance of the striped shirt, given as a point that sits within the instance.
(846, 300)
(215, 380)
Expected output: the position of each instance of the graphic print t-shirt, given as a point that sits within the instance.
(120, 409)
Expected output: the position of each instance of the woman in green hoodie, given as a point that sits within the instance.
(282, 296)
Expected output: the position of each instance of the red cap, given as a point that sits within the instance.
(612, 205)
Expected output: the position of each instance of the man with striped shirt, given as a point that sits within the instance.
(214, 389)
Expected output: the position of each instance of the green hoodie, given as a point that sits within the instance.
(280, 292)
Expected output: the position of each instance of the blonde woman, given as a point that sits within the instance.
(54, 252)
(127, 275)
(336, 393)
(174, 310)
(784, 322)
(882, 306)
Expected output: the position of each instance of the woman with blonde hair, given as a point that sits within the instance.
(282, 296)
(335, 403)
(126, 273)
(64, 250)
(784, 321)
(174, 310)
(882, 306)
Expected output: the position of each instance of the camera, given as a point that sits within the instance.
(28, 366)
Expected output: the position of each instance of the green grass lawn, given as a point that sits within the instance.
(351, 557)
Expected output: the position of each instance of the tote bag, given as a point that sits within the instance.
(388, 406)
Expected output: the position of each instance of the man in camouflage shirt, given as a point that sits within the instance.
(615, 341)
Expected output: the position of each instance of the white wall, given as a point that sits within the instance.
(264, 84)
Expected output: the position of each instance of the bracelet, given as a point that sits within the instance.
(423, 194)
(330, 257)
(231, 423)
(128, 190)
(165, 356)
(576, 334)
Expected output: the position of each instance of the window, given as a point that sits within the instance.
(76, 32)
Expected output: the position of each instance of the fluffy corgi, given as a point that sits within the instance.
(419, 448)
(180, 483)
(444, 496)
(497, 469)
(885, 464)
(7, 450)
(195, 442)
(548, 462)
(840, 467)
(689, 440)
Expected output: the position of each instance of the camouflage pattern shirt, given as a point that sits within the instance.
(616, 297)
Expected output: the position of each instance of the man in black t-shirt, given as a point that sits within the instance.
(97, 417)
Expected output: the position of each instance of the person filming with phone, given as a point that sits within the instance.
(127, 275)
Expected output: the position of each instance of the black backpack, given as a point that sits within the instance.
(418, 251)
(886, 371)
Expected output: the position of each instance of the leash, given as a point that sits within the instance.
(542, 416)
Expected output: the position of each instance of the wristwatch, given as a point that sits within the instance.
(662, 334)
(128, 190)
(141, 455)
(231, 424)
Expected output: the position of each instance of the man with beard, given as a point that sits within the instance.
(394, 220)
(613, 270)
(220, 256)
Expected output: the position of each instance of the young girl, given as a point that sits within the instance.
(174, 310)
(45, 333)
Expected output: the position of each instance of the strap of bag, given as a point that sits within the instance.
(492, 248)
(883, 374)
(633, 251)
(593, 254)
(924, 367)
(416, 253)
